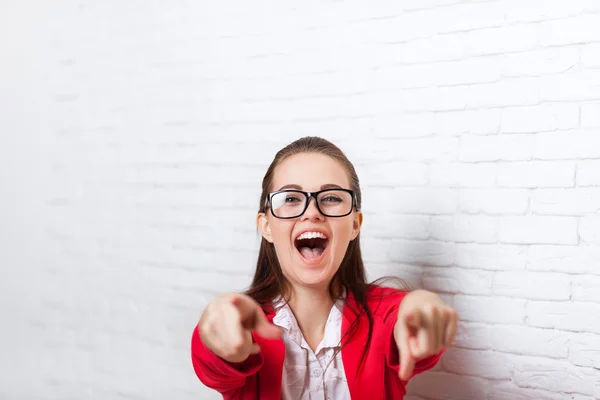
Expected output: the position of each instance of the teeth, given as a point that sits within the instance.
(311, 235)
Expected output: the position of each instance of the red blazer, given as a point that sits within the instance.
(259, 377)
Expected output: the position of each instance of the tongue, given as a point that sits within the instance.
(311, 254)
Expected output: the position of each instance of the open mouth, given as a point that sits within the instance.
(311, 245)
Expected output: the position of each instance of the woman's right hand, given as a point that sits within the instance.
(227, 323)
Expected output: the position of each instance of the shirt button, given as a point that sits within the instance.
(316, 373)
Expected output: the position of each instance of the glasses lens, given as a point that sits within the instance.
(288, 204)
(335, 203)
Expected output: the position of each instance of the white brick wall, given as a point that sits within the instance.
(134, 135)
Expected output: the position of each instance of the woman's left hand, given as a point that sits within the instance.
(424, 327)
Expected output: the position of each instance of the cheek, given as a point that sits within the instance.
(343, 231)
(281, 232)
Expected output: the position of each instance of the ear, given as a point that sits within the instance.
(356, 224)
(263, 225)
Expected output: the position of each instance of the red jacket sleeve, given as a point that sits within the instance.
(218, 374)
(392, 353)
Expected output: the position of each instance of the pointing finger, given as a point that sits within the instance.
(253, 317)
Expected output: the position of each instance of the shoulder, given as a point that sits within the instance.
(384, 300)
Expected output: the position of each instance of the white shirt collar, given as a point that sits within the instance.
(284, 318)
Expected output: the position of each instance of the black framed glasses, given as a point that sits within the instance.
(290, 203)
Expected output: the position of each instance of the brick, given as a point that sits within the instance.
(497, 310)
(416, 149)
(532, 285)
(393, 30)
(446, 384)
(574, 85)
(463, 175)
(397, 225)
(486, 364)
(334, 83)
(588, 173)
(410, 274)
(481, 16)
(573, 316)
(343, 132)
(514, 92)
(539, 61)
(403, 125)
(579, 29)
(590, 114)
(531, 12)
(195, 196)
(449, 98)
(425, 200)
(396, 174)
(420, 252)
(584, 350)
(555, 342)
(554, 376)
(508, 390)
(589, 230)
(536, 174)
(476, 70)
(540, 118)
(465, 228)
(404, 76)
(427, 4)
(457, 280)
(439, 74)
(538, 230)
(475, 122)
(431, 49)
(260, 133)
(375, 250)
(495, 148)
(578, 201)
(473, 335)
(225, 88)
(378, 200)
(498, 257)
(494, 202)
(387, 102)
(502, 40)
(585, 288)
(590, 55)
(568, 259)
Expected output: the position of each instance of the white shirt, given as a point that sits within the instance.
(309, 375)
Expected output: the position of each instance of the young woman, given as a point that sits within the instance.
(310, 326)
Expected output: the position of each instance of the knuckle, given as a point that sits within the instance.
(205, 330)
(237, 347)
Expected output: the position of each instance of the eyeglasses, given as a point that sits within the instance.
(287, 204)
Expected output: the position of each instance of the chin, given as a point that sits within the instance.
(313, 274)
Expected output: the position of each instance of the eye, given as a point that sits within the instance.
(332, 199)
(292, 199)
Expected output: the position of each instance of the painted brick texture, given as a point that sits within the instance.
(134, 137)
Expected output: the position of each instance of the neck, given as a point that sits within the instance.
(311, 307)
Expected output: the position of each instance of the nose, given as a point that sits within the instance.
(312, 212)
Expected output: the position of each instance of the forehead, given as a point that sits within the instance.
(310, 171)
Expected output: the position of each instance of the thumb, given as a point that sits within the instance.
(253, 317)
(266, 329)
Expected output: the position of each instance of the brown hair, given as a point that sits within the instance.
(269, 281)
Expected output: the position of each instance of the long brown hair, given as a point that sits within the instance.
(269, 281)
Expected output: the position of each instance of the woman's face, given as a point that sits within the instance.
(310, 248)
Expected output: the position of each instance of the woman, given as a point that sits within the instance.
(310, 326)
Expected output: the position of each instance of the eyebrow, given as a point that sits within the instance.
(323, 187)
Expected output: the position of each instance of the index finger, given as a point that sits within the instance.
(253, 318)
(407, 362)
